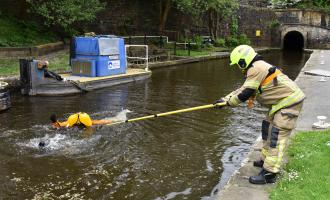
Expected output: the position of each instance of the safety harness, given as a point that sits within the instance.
(273, 72)
(78, 123)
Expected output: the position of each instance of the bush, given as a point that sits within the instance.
(243, 39)
(274, 24)
(220, 42)
(232, 41)
(199, 43)
(63, 15)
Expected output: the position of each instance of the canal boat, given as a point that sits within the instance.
(96, 62)
(37, 80)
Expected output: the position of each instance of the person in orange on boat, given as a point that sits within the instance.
(78, 119)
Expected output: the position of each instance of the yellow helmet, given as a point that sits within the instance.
(242, 56)
(79, 118)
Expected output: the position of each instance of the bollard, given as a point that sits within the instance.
(4, 96)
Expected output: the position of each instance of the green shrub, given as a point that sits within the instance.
(243, 39)
(231, 41)
(274, 24)
(220, 42)
(199, 42)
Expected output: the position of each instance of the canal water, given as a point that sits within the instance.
(184, 156)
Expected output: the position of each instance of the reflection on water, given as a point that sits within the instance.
(184, 156)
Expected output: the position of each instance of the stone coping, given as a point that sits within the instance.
(39, 50)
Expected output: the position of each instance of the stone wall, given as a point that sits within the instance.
(308, 17)
(252, 19)
(31, 51)
(125, 17)
(313, 25)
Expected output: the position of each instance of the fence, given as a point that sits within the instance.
(161, 42)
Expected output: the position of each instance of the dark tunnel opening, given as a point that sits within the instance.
(293, 40)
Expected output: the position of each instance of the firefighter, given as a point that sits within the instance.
(266, 84)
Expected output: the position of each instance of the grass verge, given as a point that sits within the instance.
(306, 176)
(57, 62)
(15, 33)
(202, 52)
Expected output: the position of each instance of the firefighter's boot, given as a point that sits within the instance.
(263, 177)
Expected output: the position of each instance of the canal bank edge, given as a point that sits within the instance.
(14, 81)
(238, 186)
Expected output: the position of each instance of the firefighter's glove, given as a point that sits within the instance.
(220, 101)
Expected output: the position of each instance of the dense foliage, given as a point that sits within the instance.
(216, 10)
(305, 4)
(23, 33)
(62, 15)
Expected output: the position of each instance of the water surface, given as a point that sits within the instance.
(184, 156)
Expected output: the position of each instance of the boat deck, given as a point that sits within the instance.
(77, 84)
(130, 72)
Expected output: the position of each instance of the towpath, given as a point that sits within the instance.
(316, 104)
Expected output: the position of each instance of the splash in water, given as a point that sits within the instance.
(121, 116)
(71, 141)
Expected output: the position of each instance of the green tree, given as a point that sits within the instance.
(63, 15)
(312, 4)
(218, 11)
(191, 7)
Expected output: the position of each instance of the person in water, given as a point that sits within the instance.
(78, 119)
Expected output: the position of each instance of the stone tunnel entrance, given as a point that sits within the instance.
(293, 40)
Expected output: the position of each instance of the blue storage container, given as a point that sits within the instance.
(106, 65)
(107, 51)
(102, 46)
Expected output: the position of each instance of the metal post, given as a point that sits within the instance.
(175, 48)
(145, 39)
(72, 49)
(161, 41)
(188, 48)
(129, 40)
(147, 61)
(126, 56)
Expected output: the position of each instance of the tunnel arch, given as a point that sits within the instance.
(293, 40)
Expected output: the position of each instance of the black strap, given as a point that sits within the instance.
(271, 71)
(78, 120)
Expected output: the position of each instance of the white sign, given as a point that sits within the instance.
(114, 64)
